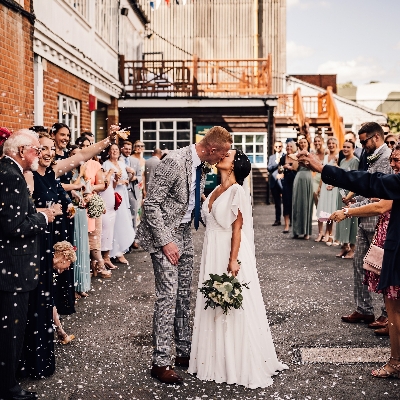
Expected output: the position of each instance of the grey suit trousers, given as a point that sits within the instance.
(172, 306)
(362, 296)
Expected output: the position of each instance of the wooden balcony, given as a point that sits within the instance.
(197, 78)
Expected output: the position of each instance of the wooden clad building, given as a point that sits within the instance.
(218, 29)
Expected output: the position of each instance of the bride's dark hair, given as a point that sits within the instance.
(241, 166)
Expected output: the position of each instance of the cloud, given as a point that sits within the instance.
(304, 4)
(360, 69)
(297, 51)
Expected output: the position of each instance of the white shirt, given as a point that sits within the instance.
(192, 199)
(278, 156)
(22, 172)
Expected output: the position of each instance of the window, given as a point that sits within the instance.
(253, 145)
(69, 111)
(107, 21)
(80, 6)
(165, 134)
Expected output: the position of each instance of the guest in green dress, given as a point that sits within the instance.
(346, 231)
(302, 198)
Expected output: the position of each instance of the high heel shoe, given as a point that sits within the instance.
(62, 337)
(319, 237)
(329, 242)
(122, 260)
(109, 264)
(102, 272)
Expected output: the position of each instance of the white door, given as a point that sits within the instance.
(254, 145)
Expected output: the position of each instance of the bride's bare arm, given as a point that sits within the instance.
(234, 266)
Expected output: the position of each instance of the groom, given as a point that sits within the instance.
(165, 232)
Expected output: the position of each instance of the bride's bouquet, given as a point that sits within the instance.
(223, 291)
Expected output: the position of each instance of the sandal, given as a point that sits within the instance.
(329, 242)
(319, 237)
(383, 372)
(62, 337)
(109, 264)
(102, 272)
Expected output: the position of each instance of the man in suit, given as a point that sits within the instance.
(20, 227)
(165, 232)
(372, 139)
(151, 165)
(274, 183)
(135, 172)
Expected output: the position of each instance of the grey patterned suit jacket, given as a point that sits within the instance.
(380, 165)
(167, 200)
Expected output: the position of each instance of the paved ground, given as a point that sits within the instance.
(306, 290)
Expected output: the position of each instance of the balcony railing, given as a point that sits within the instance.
(197, 78)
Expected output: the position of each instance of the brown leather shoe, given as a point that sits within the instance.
(382, 332)
(182, 362)
(166, 375)
(381, 322)
(357, 317)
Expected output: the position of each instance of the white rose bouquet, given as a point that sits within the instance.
(223, 291)
(95, 206)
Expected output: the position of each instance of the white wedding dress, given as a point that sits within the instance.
(236, 348)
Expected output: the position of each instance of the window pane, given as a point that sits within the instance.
(149, 135)
(239, 147)
(259, 148)
(259, 138)
(166, 125)
(259, 159)
(183, 125)
(249, 149)
(167, 135)
(249, 138)
(182, 144)
(150, 146)
(251, 158)
(238, 139)
(150, 125)
(167, 145)
(184, 135)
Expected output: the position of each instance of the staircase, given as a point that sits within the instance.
(305, 111)
(260, 185)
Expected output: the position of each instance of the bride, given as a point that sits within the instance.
(234, 348)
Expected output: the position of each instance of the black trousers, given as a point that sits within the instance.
(276, 192)
(13, 316)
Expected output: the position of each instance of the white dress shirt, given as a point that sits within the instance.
(195, 163)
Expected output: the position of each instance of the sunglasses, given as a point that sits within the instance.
(391, 142)
(278, 147)
(364, 142)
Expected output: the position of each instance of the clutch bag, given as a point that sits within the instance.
(373, 259)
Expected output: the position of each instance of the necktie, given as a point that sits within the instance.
(126, 160)
(197, 198)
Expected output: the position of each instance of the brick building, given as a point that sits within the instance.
(16, 63)
(60, 61)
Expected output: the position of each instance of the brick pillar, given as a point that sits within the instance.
(112, 113)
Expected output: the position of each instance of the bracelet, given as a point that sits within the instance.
(346, 212)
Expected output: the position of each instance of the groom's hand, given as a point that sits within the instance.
(171, 251)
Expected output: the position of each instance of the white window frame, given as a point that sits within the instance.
(107, 21)
(254, 153)
(81, 7)
(69, 112)
(158, 121)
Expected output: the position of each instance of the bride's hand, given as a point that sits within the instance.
(233, 267)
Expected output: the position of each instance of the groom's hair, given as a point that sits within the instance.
(217, 136)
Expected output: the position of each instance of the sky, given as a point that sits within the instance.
(359, 40)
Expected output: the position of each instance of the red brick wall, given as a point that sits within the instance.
(16, 68)
(58, 81)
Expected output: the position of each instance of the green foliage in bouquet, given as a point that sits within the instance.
(95, 206)
(223, 291)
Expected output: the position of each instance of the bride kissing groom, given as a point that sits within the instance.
(172, 202)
